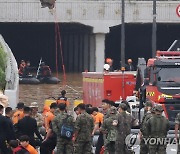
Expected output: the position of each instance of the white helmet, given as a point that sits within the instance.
(106, 67)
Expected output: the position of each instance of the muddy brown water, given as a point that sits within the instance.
(38, 93)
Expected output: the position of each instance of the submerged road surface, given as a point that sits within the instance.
(38, 93)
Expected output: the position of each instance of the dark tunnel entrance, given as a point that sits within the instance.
(138, 41)
(31, 41)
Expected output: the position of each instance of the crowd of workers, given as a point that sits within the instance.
(25, 70)
(45, 71)
(108, 67)
(25, 129)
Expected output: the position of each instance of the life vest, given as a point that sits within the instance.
(21, 69)
(63, 100)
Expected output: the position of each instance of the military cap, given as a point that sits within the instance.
(113, 110)
(34, 105)
(153, 109)
(158, 108)
(123, 106)
(149, 104)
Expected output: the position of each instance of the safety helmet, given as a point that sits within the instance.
(106, 67)
(108, 60)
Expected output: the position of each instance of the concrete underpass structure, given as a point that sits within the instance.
(85, 24)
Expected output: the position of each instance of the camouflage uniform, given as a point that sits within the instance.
(39, 119)
(63, 145)
(106, 116)
(102, 137)
(110, 130)
(124, 129)
(84, 126)
(157, 127)
(147, 116)
(177, 121)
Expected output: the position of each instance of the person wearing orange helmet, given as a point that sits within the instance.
(129, 66)
(109, 61)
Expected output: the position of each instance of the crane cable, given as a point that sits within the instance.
(58, 38)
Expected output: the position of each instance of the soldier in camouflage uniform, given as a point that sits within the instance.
(143, 135)
(157, 127)
(106, 105)
(36, 115)
(84, 126)
(123, 129)
(109, 128)
(177, 124)
(64, 146)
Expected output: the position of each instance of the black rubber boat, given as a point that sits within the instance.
(49, 80)
(28, 80)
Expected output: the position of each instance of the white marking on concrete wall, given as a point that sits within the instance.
(99, 14)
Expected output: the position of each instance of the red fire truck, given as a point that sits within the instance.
(161, 82)
(113, 86)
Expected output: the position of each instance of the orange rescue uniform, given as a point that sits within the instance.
(63, 100)
(31, 149)
(98, 119)
(49, 116)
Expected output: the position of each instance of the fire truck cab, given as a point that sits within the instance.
(161, 82)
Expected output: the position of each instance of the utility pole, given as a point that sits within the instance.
(122, 34)
(154, 29)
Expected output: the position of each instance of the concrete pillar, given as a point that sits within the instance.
(99, 52)
(86, 52)
(92, 53)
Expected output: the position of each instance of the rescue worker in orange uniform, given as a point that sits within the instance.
(19, 114)
(109, 61)
(26, 70)
(45, 110)
(21, 67)
(44, 71)
(49, 116)
(63, 98)
(98, 119)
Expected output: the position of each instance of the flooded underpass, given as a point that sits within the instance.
(38, 93)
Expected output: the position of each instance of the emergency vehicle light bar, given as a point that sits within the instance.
(168, 54)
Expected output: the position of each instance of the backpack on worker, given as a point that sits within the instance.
(66, 130)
